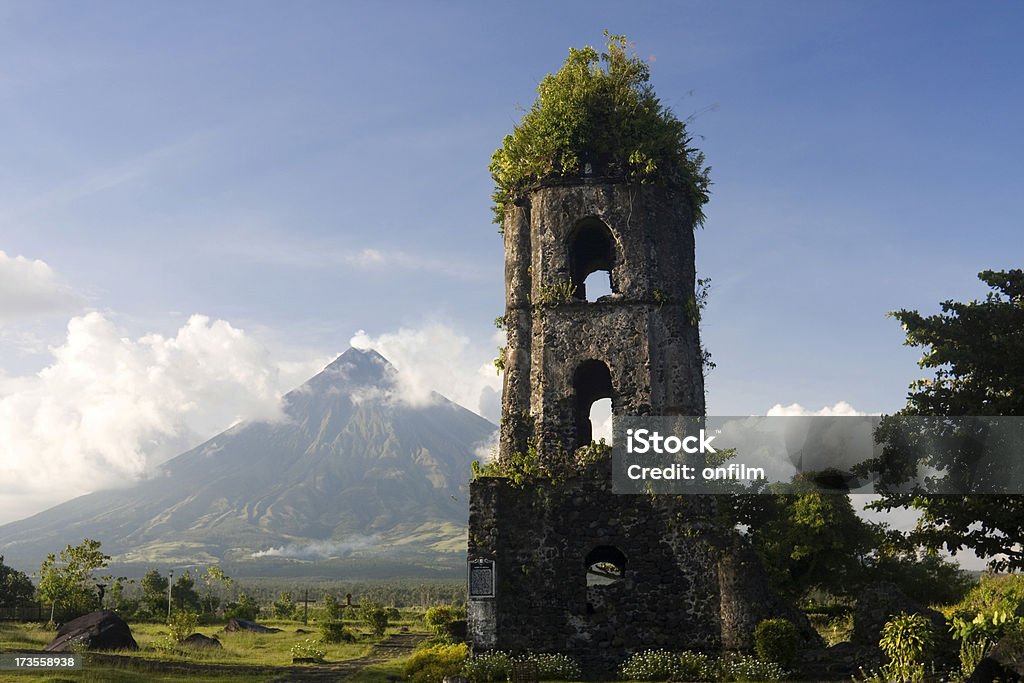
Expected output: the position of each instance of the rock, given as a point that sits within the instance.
(95, 631)
(201, 641)
(246, 625)
(1003, 663)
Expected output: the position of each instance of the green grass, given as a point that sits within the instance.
(239, 649)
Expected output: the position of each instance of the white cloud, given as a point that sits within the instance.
(108, 407)
(319, 550)
(438, 358)
(796, 410)
(30, 287)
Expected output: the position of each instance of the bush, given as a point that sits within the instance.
(905, 640)
(432, 664)
(334, 632)
(438, 618)
(308, 649)
(375, 617)
(553, 667)
(995, 594)
(182, 624)
(777, 640)
(599, 109)
(737, 667)
(246, 608)
(652, 665)
(696, 666)
(487, 667)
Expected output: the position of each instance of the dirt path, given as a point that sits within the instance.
(396, 645)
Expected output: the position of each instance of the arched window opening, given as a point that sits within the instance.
(605, 565)
(591, 382)
(591, 250)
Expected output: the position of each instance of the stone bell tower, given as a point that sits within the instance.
(638, 346)
(562, 564)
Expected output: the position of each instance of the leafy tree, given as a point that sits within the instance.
(599, 110)
(284, 607)
(809, 540)
(183, 593)
(213, 579)
(245, 608)
(976, 350)
(15, 587)
(374, 616)
(66, 580)
(154, 593)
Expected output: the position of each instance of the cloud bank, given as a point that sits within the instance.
(108, 408)
(438, 358)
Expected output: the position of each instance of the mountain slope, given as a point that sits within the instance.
(351, 469)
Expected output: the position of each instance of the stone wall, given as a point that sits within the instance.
(540, 536)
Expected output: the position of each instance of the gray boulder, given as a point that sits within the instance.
(94, 631)
(198, 640)
(246, 625)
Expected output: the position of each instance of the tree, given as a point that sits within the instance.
(375, 617)
(284, 607)
(183, 593)
(66, 580)
(15, 587)
(213, 579)
(599, 110)
(154, 593)
(810, 540)
(976, 350)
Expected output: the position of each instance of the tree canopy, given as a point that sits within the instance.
(65, 580)
(976, 350)
(15, 587)
(599, 109)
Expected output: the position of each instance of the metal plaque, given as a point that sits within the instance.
(481, 579)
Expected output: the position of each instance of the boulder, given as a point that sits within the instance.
(198, 640)
(1003, 663)
(246, 625)
(94, 631)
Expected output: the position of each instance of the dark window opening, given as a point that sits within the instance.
(605, 565)
(591, 382)
(591, 250)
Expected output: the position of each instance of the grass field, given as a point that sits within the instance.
(245, 656)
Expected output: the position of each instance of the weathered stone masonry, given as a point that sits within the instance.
(660, 555)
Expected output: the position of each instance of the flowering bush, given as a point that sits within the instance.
(652, 665)
(488, 667)
(554, 667)
(696, 666)
(308, 649)
(737, 667)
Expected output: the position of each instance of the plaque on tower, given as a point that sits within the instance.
(481, 579)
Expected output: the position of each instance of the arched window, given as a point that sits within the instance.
(605, 565)
(591, 381)
(591, 252)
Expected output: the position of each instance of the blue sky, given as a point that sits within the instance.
(305, 171)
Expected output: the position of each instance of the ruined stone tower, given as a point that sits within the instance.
(638, 346)
(562, 564)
